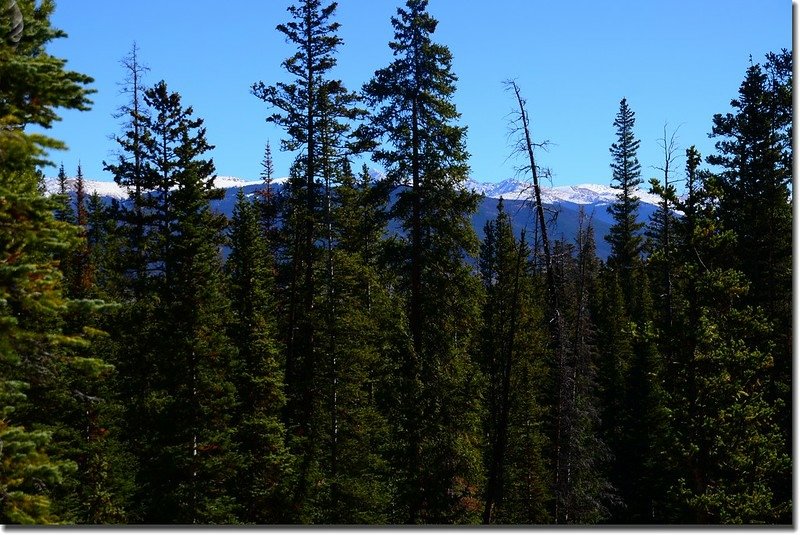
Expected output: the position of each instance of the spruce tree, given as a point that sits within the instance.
(81, 272)
(48, 367)
(726, 435)
(754, 159)
(426, 155)
(188, 458)
(268, 196)
(317, 113)
(512, 348)
(64, 212)
(624, 235)
(262, 482)
(360, 323)
(754, 152)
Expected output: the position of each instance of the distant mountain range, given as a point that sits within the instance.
(564, 203)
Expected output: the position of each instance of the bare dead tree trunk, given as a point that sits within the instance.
(670, 151)
(561, 438)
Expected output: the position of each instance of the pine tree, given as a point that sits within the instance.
(268, 197)
(41, 358)
(754, 152)
(262, 482)
(80, 273)
(317, 112)
(727, 440)
(64, 212)
(426, 154)
(133, 173)
(754, 155)
(360, 323)
(187, 454)
(48, 367)
(512, 350)
(624, 235)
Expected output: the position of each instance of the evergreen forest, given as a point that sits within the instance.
(297, 363)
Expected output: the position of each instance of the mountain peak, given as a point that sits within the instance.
(515, 189)
(510, 189)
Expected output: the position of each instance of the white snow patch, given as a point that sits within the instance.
(101, 187)
(511, 189)
(105, 188)
(514, 189)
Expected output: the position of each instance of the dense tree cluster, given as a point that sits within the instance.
(344, 350)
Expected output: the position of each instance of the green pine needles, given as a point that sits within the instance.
(344, 350)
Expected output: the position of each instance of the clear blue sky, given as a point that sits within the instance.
(677, 61)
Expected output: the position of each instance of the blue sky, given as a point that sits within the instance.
(678, 61)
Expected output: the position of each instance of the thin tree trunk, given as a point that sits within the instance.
(557, 328)
(495, 486)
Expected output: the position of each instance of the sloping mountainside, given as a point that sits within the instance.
(563, 204)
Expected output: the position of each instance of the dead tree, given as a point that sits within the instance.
(526, 146)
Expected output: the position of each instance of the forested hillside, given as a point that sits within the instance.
(346, 350)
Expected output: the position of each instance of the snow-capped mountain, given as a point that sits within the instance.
(103, 188)
(582, 194)
(509, 189)
(114, 191)
(568, 201)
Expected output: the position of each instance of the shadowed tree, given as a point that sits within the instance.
(437, 459)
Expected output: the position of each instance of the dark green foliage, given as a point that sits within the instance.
(360, 323)
(49, 374)
(439, 468)
(34, 351)
(132, 172)
(585, 494)
(754, 155)
(512, 353)
(77, 266)
(261, 485)
(268, 198)
(634, 424)
(726, 434)
(331, 373)
(754, 152)
(174, 357)
(315, 111)
(189, 459)
(624, 235)
(64, 212)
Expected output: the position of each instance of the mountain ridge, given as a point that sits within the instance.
(510, 189)
(564, 204)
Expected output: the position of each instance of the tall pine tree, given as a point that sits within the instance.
(727, 443)
(426, 155)
(624, 235)
(754, 159)
(262, 483)
(316, 111)
(47, 365)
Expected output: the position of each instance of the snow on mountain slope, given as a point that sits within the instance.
(113, 190)
(103, 188)
(580, 194)
(509, 189)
